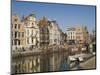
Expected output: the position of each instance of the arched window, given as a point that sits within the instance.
(19, 42)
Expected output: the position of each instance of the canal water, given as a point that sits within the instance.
(65, 65)
(41, 62)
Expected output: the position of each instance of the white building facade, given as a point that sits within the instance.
(71, 34)
(54, 33)
(31, 31)
(77, 34)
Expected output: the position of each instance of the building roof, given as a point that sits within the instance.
(71, 29)
(26, 17)
(33, 15)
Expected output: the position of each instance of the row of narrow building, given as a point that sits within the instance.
(28, 32)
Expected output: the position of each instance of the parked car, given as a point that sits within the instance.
(74, 49)
(81, 59)
(83, 49)
(72, 58)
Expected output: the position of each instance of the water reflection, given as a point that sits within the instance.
(40, 61)
(65, 64)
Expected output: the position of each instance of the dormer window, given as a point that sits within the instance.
(32, 23)
(15, 20)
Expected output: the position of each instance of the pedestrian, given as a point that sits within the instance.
(77, 63)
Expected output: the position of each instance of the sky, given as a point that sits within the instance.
(66, 15)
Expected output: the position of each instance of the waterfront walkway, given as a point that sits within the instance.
(88, 64)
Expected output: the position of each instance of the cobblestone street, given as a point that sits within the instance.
(89, 64)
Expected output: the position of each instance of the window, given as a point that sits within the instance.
(15, 26)
(15, 20)
(32, 32)
(27, 40)
(71, 33)
(15, 34)
(28, 32)
(18, 26)
(32, 23)
(15, 42)
(19, 34)
(70, 37)
(12, 42)
(12, 34)
(22, 34)
(19, 42)
(32, 39)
